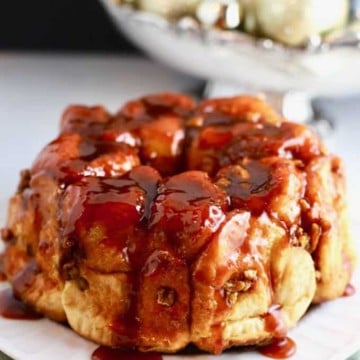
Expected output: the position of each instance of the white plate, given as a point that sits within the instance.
(330, 331)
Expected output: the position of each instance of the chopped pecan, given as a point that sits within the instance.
(316, 232)
(237, 285)
(166, 296)
(301, 238)
(231, 297)
(250, 274)
(234, 286)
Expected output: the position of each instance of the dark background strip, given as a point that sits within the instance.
(58, 25)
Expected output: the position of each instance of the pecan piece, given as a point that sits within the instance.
(166, 296)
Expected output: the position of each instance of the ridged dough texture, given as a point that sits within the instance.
(170, 223)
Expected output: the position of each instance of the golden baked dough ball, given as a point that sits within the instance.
(225, 131)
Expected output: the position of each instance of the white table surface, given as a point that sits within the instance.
(34, 89)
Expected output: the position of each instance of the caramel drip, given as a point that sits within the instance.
(279, 348)
(12, 308)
